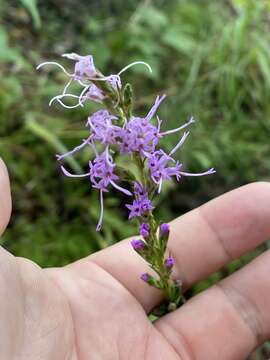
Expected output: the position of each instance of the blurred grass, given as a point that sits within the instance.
(211, 58)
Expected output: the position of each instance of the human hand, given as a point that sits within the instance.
(96, 308)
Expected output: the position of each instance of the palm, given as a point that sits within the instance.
(96, 308)
(81, 312)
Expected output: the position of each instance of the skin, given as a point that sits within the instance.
(96, 308)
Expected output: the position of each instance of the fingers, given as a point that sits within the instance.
(207, 238)
(227, 321)
(5, 197)
(201, 241)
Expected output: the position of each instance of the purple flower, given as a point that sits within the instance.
(139, 135)
(144, 230)
(159, 169)
(145, 277)
(137, 244)
(101, 173)
(114, 81)
(169, 262)
(84, 66)
(103, 128)
(164, 229)
(154, 108)
(94, 93)
(139, 207)
(139, 190)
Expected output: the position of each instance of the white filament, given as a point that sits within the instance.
(72, 56)
(120, 188)
(208, 172)
(191, 121)
(54, 63)
(67, 173)
(82, 93)
(180, 143)
(133, 64)
(59, 97)
(159, 123)
(77, 148)
(160, 186)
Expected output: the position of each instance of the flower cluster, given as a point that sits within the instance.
(121, 134)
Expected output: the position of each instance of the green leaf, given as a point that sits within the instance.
(45, 134)
(7, 53)
(179, 41)
(31, 6)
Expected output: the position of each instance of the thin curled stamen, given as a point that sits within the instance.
(67, 86)
(159, 123)
(180, 143)
(208, 172)
(59, 97)
(67, 173)
(108, 157)
(159, 186)
(191, 121)
(126, 192)
(54, 63)
(133, 64)
(82, 93)
(77, 148)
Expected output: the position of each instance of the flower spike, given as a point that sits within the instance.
(113, 132)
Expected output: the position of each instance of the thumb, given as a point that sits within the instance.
(5, 197)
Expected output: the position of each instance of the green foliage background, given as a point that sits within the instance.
(212, 59)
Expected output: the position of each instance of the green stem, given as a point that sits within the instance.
(115, 103)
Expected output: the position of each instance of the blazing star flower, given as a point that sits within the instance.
(159, 169)
(141, 204)
(139, 135)
(139, 208)
(84, 66)
(103, 129)
(93, 93)
(140, 191)
(101, 175)
(138, 139)
(114, 81)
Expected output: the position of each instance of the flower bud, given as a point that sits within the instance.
(137, 244)
(150, 280)
(144, 230)
(128, 96)
(164, 229)
(145, 277)
(169, 262)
